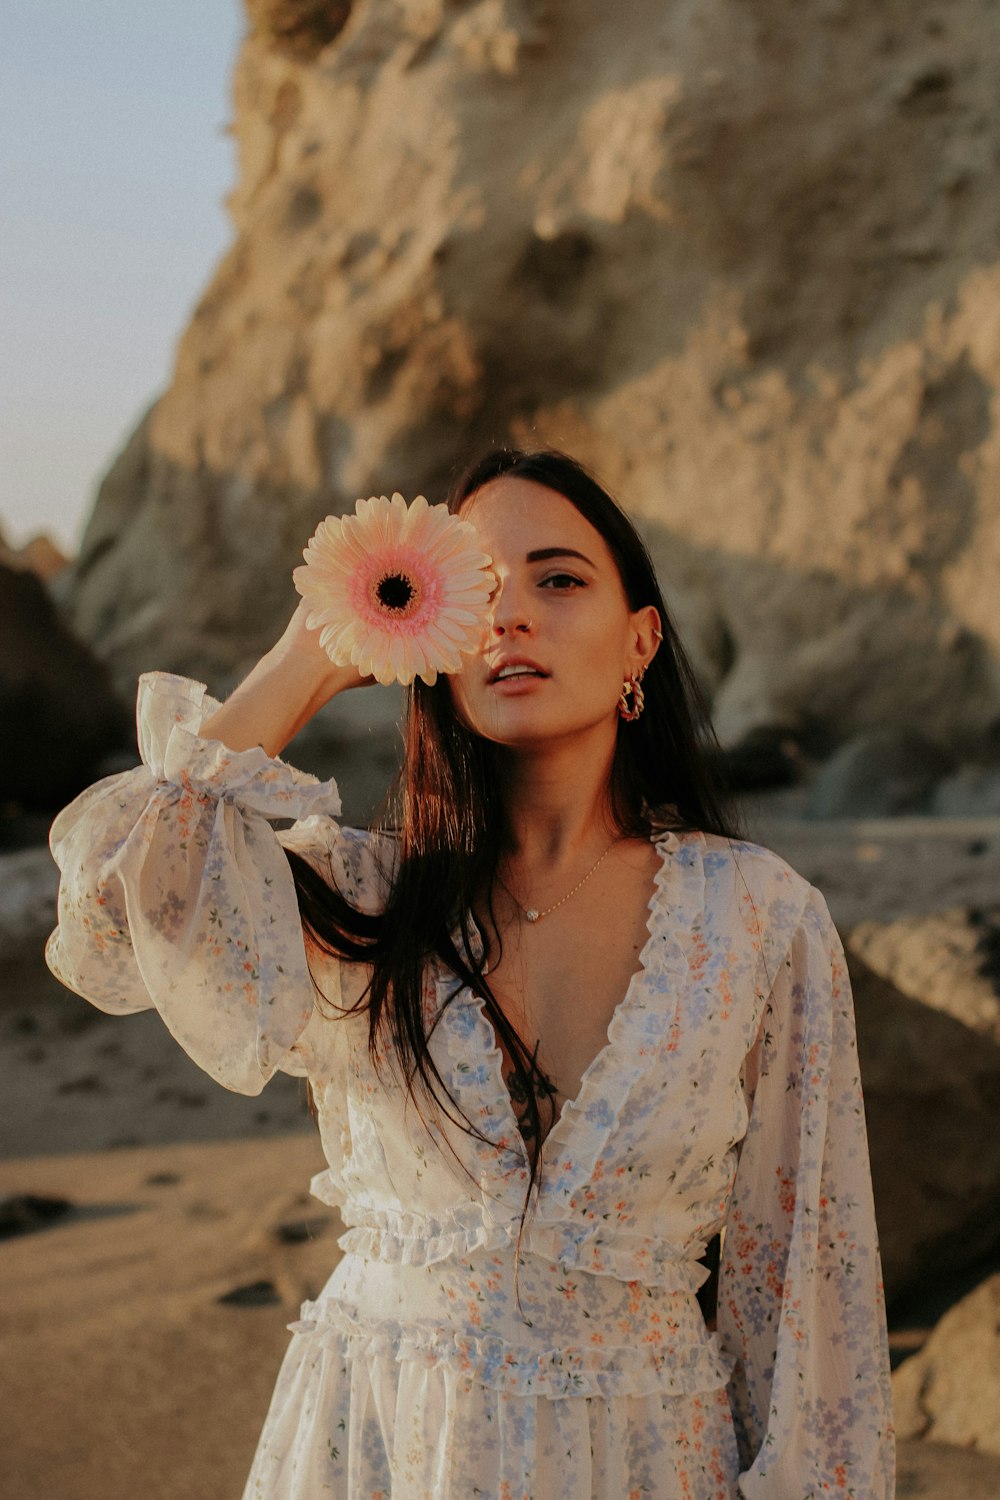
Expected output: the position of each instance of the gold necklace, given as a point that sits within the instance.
(532, 914)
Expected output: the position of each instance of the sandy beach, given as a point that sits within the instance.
(124, 1374)
(126, 1378)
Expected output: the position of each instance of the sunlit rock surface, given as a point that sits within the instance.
(743, 261)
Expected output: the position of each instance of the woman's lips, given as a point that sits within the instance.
(512, 663)
(508, 685)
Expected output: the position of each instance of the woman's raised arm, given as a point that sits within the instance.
(176, 891)
(289, 684)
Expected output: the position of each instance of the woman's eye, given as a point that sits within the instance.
(562, 581)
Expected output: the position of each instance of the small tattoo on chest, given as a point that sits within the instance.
(545, 1093)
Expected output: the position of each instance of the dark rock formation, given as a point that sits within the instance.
(948, 960)
(58, 712)
(878, 774)
(254, 1294)
(24, 1212)
(940, 1471)
(972, 792)
(932, 1100)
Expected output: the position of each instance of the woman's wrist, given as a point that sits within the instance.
(280, 695)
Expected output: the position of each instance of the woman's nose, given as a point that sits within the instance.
(501, 627)
(509, 614)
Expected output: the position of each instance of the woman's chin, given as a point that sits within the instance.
(537, 731)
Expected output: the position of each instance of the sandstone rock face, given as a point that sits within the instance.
(741, 259)
(950, 1391)
(949, 960)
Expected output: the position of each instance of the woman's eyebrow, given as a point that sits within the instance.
(544, 553)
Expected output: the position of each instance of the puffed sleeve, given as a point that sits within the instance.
(800, 1291)
(176, 892)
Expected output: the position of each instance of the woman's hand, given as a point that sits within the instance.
(287, 686)
(301, 646)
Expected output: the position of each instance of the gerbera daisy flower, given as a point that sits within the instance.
(399, 590)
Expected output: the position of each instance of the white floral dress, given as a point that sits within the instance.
(726, 1098)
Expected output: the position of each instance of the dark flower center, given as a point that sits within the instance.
(395, 592)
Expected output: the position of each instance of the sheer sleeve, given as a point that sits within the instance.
(176, 892)
(800, 1296)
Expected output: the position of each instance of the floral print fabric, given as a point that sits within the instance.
(727, 1098)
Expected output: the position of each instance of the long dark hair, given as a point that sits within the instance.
(447, 816)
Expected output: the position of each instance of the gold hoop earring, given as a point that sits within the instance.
(634, 686)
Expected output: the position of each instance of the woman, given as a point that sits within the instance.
(565, 1030)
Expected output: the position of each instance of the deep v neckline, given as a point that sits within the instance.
(663, 842)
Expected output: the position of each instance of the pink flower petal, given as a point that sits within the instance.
(347, 563)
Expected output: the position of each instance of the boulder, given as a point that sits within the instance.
(29, 882)
(971, 792)
(948, 960)
(886, 869)
(932, 1102)
(949, 1392)
(765, 759)
(879, 774)
(771, 323)
(58, 712)
(940, 1471)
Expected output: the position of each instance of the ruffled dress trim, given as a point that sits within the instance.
(419, 1240)
(638, 1033)
(516, 1370)
(170, 711)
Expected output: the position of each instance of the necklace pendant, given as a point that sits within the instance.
(531, 915)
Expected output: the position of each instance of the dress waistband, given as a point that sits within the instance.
(419, 1240)
(563, 1335)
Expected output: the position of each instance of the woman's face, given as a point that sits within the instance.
(559, 611)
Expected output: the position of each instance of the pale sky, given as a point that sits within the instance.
(114, 163)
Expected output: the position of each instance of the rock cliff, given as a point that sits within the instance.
(740, 257)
